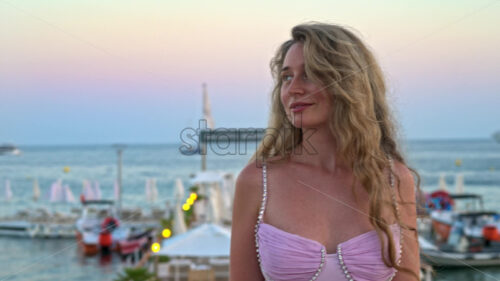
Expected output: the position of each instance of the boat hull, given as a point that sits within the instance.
(15, 229)
(448, 259)
(88, 248)
(36, 230)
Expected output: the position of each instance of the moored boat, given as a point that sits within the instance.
(100, 229)
(461, 232)
(38, 223)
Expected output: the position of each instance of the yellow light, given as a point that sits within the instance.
(66, 169)
(186, 207)
(155, 247)
(190, 201)
(166, 233)
(193, 195)
(458, 162)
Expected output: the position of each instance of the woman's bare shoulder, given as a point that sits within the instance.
(405, 187)
(406, 181)
(249, 181)
(251, 174)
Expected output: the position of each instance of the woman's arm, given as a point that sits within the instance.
(247, 198)
(407, 205)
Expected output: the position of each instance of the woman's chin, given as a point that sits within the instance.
(306, 125)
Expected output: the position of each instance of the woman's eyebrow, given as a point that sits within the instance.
(285, 68)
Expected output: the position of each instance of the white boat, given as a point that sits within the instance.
(433, 255)
(15, 228)
(36, 227)
(89, 224)
(459, 232)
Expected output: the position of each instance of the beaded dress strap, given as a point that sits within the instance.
(260, 217)
(264, 194)
(393, 189)
(396, 206)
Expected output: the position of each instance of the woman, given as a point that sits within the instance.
(327, 196)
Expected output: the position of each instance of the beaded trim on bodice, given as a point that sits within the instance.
(339, 253)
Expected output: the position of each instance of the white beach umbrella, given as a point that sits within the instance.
(228, 191)
(36, 190)
(8, 191)
(97, 191)
(68, 195)
(225, 202)
(88, 192)
(154, 190)
(202, 210)
(56, 192)
(442, 182)
(205, 240)
(179, 222)
(178, 190)
(459, 183)
(147, 189)
(216, 209)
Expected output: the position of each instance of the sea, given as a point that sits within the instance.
(44, 259)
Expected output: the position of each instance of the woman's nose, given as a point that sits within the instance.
(297, 85)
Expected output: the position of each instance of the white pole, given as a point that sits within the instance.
(119, 151)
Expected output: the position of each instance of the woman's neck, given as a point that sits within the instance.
(318, 148)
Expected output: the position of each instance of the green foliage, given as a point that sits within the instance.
(189, 215)
(167, 223)
(195, 189)
(161, 259)
(136, 274)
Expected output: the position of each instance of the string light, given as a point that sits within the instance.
(193, 195)
(155, 247)
(166, 233)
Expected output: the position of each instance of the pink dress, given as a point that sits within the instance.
(284, 256)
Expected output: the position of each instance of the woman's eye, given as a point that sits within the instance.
(286, 77)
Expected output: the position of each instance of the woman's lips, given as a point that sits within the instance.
(299, 108)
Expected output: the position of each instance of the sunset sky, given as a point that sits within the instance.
(92, 72)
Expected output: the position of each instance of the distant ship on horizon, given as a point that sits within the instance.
(9, 149)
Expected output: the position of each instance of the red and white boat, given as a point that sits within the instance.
(99, 228)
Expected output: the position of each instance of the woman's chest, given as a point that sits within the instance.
(323, 209)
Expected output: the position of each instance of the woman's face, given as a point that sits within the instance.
(305, 102)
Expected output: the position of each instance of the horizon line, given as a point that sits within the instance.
(111, 144)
